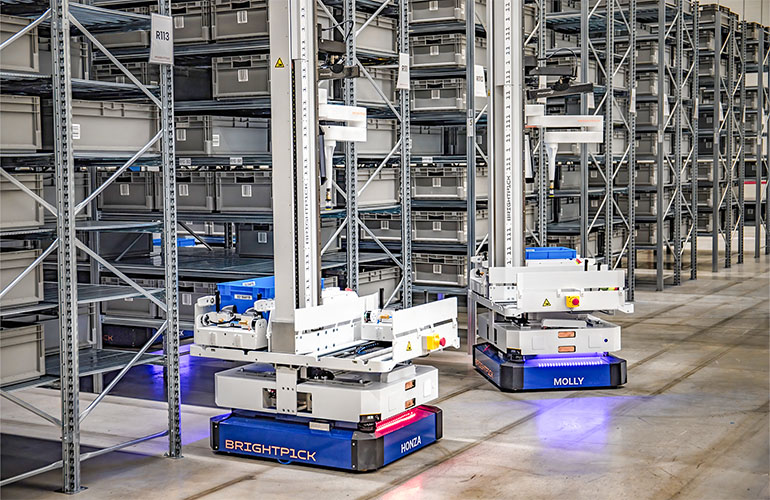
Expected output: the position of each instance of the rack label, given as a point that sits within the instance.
(403, 71)
(161, 39)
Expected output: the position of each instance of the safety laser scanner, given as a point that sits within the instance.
(331, 381)
(533, 315)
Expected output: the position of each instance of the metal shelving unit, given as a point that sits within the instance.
(720, 117)
(606, 59)
(66, 293)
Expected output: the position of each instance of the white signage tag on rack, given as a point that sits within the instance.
(161, 39)
(403, 72)
(479, 82)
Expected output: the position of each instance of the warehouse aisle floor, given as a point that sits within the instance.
(692, 422)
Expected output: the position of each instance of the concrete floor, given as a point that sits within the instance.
(692, 422)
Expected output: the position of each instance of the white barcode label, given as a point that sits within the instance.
(437, 182)
(184, 190)
(186, 299)
(129, 299)
(243, 75)
(437, 225)
(261, 237)
(246, 191)
(236, 160)
(75, 131)
(242, 16)
(185, 162)
(384, 225)
(435, 94)
(124, 189)
(240, 296)
(433, 5)
(215, 140)
(181, 134)
(427, 159)
(434, 50)
(437, 268)
(178, 22)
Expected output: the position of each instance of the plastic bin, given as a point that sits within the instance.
(114, 244)
(23, 54)
(371, 282)
(190, 83)
(444, 50)
(134, 307)
(386, 227)
(30, 289)
(244, 191)
(256, 240)
(20, 123)
(384, 190)
(646, 202)
(82, 186)
(22, 352)
(384, 79)
(648, 84)
(234, 19)
(139, 38)
(567, 209)
(192, 21)
(222, 135)
(427, 140)
(107, 126)
(441, 95)
(429, 11)
(449, 227)
(17, 208)
(450, 183)
(379, 36)
(189, 293)
(568, 176)
(549, 253)
(437, 269)
(195, 191)
(381, 136)
(78, 57)
(241, 76)
(243, 293)
(131, 191)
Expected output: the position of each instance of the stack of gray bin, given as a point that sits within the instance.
(439, 96)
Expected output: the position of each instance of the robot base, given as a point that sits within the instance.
(559, 371)
(294, 441)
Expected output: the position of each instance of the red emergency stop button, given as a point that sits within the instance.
(442, 342)
(573, 301)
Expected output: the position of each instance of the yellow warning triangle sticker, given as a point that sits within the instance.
(279, 63)
(408, 346)
(546, 303)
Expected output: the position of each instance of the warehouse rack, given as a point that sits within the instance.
(757, 54)
(64, 295)
(208, 262)
(670, 118)
(720, 116)
(400, 151)
(582, 27)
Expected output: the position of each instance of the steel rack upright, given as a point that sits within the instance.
(66, 294)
